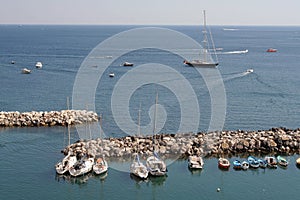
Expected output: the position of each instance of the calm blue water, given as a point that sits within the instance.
(269, 97)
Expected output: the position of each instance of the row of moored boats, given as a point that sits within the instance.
(196, 162)
(157, 167)
(253, 162)
(80, 166)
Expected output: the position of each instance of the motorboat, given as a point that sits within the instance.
(138, 169)
(111, 75)
(237, 165)
(100, 166)
(271, 161)
(12, 62)
(253, 162)
(245, 165)
(156, 166)
(39, 65)
(82, 166)
(206, 59)
(250, 71)
(282, 161)
(223, 163)
(195, 162)
(262, 163)
(271, 50)
(26, 71)
(127, 64)
(63, 166)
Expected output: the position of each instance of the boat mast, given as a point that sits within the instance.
(205, 39)
(154, 122)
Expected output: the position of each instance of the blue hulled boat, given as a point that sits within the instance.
(253, 162)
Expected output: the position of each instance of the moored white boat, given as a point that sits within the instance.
(282, 161)
(26, 71)
(156, 166)
(195, 162)
(100, 166)
(81, 167)
(137, 168)
(271, 161)
(39, 65)
(223, 163)
(245, 165)
(63, 166)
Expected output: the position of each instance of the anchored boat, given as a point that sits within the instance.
(206, 60)
(195, 162)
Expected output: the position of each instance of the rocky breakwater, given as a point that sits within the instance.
(51, 118)
(224, 143)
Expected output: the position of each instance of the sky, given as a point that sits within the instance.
(151, 12)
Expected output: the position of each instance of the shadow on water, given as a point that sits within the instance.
(81, 180)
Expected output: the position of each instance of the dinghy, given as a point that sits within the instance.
(253, 162)
(271, 161)
(237, 165)
(245, 165)
(223, 163)
(282, 161)
(195, 162)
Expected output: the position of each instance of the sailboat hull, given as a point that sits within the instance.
(198, 63)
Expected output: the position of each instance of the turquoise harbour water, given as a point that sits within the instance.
(269, 97)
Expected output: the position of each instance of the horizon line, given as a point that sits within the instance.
(81, 24)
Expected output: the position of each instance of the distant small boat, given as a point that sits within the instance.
(12, 62)
(282, 161)
(271, 50)
(195, 162)
(111, 75)
(38, 65)
(237, 165)
(250, 70)
(271, 161)
(223, 163)
(262, 163)
(253, 162)
(26, 71)
(245, 165)
(127, 64)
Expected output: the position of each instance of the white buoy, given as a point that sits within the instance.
(218, 189)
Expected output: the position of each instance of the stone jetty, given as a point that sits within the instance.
(224, 143)
(51, 118)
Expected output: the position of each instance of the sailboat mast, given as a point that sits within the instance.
(154, 122)
(139, 122)
(205, 39)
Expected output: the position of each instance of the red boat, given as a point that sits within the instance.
(272, 50)
(223, 163)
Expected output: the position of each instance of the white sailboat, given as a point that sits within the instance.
(100, 166)
(83, 166)
(155, 165)
(63, 166)
(137, 168)
(206, 60)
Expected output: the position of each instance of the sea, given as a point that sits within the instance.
(268, 97)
